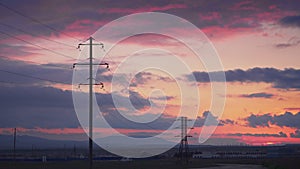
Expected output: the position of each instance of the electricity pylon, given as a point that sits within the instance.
(183, 152)
(91, 64)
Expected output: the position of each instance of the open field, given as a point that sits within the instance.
(278, 163)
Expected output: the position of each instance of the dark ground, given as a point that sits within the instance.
(274, 163)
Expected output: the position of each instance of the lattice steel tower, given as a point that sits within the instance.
(183, 153)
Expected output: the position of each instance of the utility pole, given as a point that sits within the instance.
(91, 105)
(15, 139)
(91, 64)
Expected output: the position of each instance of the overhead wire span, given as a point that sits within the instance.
(37, 21)
(36, 63)
(6, 82)
(34, 35)
(41, 47)
(33, 77)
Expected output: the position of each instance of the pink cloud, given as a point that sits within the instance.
(216, 32)
(60, 131)
(255, 140)
(267, 140)
(210, 16)
(240, 25)
(235, 25)
(273, 7)
(143, 9)
(83, 28)
(292, 109)
(244, 5)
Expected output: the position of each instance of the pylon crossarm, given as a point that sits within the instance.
(87, 64)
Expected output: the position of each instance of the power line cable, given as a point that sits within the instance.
(33, 77)
(25, 41)
(6, 82)
(37, 21)
(35, 63)
(34, 35)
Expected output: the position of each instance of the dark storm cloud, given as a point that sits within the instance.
(227, 121)
(280, 134)
(284, 120)
(123, 79)
(293, 21)
(287, 120)
(116, 120)
(62, 73)
(213, 120)
(143, 78)
(237, 14)
(296, 134)
(138, 101)
(26, 102)
(284, 79)
(201, 120)
(61, 14)
(258, 95)
(47, 107)
(29, 73)
(31, 107)
(36, 106)
(259, 120)
(56, 14)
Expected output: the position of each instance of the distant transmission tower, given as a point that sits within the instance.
(183, 152)
(91, 64)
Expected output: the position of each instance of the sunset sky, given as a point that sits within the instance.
(258, 43)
